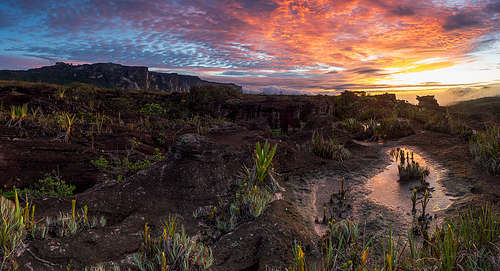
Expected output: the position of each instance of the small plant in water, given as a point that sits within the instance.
(408, 169)
(414, 201)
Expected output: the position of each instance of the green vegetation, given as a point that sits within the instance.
(466, 242)
(329, 148)
(100, 163)
(393, 127)
(17, 115)
(353, 125)
(247, 203)
(172, 250)
(201, 125)
(20, 223)
(343, 248)
(263, 158)
(52, 185)
(409, 169)
(125, 167)
(253, 190)
(485, 149)
(446, 123)
(16, 221)
(66, 224)
(371, 129)
(153, 109)
(68, 123)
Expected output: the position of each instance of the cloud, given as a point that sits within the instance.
(21, 62)
(403, 11)
(461, 20)
(455, 95)
(494, 6)
(366, 70)
(6, 19)
(312, 45)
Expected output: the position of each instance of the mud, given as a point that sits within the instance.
(376, 197)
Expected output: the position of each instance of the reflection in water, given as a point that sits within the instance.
(386, 188)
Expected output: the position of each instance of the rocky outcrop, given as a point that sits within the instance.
(427, 102)
(110, 75)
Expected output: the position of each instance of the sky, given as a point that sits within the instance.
(444, 47)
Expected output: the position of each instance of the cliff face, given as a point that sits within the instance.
(110, 75)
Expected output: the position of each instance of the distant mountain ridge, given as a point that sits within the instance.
(110, 75)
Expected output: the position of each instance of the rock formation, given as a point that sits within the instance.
(110, 75)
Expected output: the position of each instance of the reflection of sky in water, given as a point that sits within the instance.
(387, 190)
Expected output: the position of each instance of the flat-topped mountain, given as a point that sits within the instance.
(110, 75)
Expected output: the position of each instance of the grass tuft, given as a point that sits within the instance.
(172, 250)
(329, 148)
(485, 148)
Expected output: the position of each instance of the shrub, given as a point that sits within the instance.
(122, 168)
(172, 250)
(201, 125)
(393, 128)
(153, 109)
(159, 139)
(485, 149)
(446, 123)
(101, 163)
(52, 185)
(353, 125)
(329, 148)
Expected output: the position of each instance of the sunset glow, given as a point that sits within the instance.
(282, 45)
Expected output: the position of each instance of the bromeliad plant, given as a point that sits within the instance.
(253, 190)
(68, 123)
(17, 114)
(248, 203)
(173, 250)
(263, 158)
